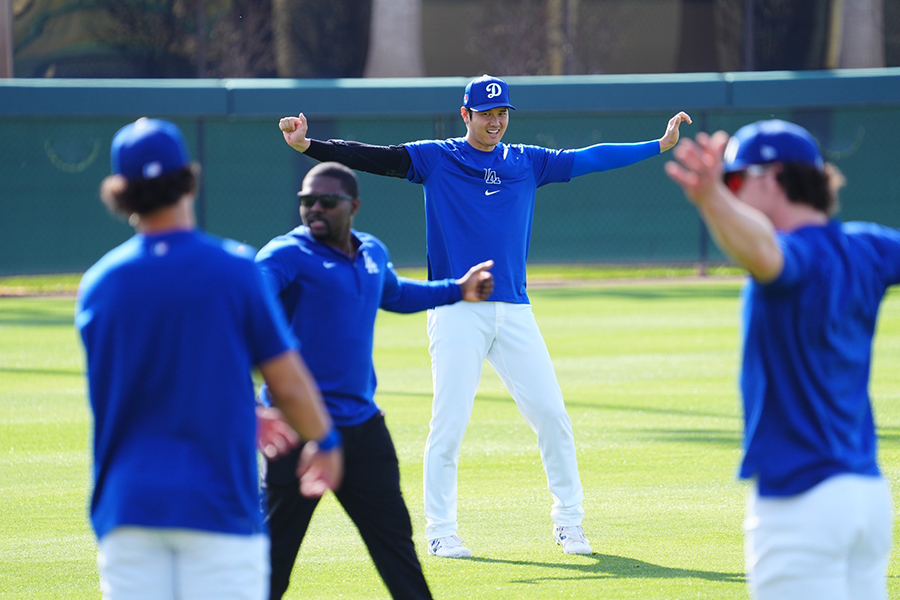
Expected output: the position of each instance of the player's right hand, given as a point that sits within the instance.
(274, 437)
(294, 131)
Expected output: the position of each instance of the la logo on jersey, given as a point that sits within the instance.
(493, 90)
(371, 266)
(490, 176)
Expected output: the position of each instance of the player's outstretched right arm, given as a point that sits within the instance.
(294, 131)
(391, 161)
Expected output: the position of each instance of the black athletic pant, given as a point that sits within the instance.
(370, 493)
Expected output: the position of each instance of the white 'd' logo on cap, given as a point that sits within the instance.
(152, 170)
(768, 152)
(493, 90)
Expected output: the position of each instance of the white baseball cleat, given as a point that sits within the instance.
(450, 546)
(572, 539)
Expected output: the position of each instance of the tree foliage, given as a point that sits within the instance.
(155, 37)
(190, 38)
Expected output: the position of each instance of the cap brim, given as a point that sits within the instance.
(738, 165)
(490, 105)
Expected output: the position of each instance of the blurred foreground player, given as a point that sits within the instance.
(173, 321)
(819, 515)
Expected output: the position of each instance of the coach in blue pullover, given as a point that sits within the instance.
(331, 281)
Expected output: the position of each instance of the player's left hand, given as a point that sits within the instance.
(478, 283)
(319, 471)
(670, 138)
(274, 437)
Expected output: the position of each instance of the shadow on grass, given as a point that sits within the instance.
(891, 434)
(662, 292)
(722, 437)
(572, 405)
(668, 410)
(601, 566)
(16, 314)
(43, 372)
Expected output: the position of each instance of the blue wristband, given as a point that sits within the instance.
(330, 441)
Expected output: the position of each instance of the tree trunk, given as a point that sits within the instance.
(6, 39)
(697, 44)
(395, 48)
(561, 23)
(862, 34)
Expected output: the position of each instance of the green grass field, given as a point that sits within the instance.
(648, 370)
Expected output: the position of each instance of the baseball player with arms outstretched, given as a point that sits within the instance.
(479, 204)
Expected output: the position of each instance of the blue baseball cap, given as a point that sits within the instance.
(771, 141)
(486, 93)
(147, 149)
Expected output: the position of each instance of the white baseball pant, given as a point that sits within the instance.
(144, 563)
(462, 336)
(832, 542)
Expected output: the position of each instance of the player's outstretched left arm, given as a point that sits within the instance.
(478, 283)
(606, 156)
(670, 138)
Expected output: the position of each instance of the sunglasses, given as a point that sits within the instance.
(326, 201)
(735, 180)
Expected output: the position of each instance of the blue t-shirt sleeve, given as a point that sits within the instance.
(603, 157)
(423, 155)
(797, 259)
(268, 329)
(885, 243)
(550, 166)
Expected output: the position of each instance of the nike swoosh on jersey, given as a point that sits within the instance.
(328, 265)
(487, 193)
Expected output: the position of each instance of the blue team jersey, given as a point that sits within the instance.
(807, 354)
(331, 301)
(480, 205)
(172, 325)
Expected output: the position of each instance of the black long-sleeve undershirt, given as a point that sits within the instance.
(392, 161)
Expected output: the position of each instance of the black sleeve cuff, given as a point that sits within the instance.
(321, 151)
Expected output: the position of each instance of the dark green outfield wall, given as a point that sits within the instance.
(55, 135)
